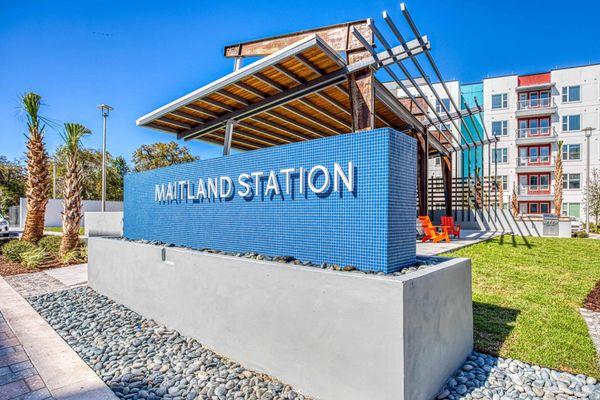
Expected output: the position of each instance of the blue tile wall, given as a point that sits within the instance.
(371, 228)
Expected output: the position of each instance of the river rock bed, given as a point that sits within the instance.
(140, 359)
(421, 263)
(485, 377)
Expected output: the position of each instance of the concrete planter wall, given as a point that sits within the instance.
(332, 335)
(104, 223)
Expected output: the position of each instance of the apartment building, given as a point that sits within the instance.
(530, 114)
(449, 128)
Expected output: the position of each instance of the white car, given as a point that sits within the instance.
(3, 226)
(576, 224)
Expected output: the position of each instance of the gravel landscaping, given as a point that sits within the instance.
(421, 263)
(140, 359)
(486, 377)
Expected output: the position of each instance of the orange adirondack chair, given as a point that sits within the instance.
(452, 228)
(431, 231)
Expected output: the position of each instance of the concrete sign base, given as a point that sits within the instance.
(333, 335)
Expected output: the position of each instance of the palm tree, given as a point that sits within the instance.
(72, 187)
(515, 201)
(500, 189)
(38, 171)
(558, 180)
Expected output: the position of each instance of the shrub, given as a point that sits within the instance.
(76, 256)
(51, 244)
(581, 235)
(14, 249)
(35, 257)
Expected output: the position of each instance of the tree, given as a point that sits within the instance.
(38, 171)
(115, 178)
(12, 183)
(157, 155)
(515, 201)
(72, 187)
(558, 180)
(593, 195)
(500, 191)
(91, 166)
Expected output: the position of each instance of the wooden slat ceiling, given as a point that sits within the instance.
(319, 113)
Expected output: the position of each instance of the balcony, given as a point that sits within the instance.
(541, 163)
(536, 135)
(536, 107)
(535, 192)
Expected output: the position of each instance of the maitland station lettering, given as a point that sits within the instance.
(250, 183)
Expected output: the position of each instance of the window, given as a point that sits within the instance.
(572, 181)
(571, 123)
(542, 207)
(499, 101)
(571, 93)
(500, 155)
(438, 161)
(438, 106)
(500, 128)
(571, 209)
(444, 127)
(571, 152)
(503, 179)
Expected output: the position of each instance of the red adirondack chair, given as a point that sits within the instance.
(431, 231)
(452, 228)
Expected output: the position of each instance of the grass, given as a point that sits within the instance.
(526, 298)
(59, 229)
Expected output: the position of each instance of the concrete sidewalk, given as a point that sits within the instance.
(467, 238)
(63, 373)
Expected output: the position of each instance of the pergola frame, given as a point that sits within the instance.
(303, 89)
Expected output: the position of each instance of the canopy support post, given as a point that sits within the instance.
(228, 136)
(447, 178)
(362, 94)
(422, 167)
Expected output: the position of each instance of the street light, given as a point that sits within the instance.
(105, 110)
(588, 134)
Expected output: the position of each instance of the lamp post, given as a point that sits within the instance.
(105, 111)
(588, 134)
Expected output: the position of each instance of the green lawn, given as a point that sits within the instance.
(59, 229)
(526, 298)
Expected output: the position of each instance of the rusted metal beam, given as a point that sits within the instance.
(362, 94)
(422, 170)
(447, 178)
(336, 36)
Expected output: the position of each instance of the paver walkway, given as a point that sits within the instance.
(592, 319)
(19, 379)
(64, 374)
(49, 281)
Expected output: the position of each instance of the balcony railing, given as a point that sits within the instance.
(533, 161)
(535, 104)
(532, 133)
(535, 190)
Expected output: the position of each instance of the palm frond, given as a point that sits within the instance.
(30, 106)
(72, 135)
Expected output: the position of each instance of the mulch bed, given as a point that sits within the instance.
(8, 268)
(592, 301)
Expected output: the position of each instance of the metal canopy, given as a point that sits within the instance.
(298, 93)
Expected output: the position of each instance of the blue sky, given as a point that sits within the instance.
(137, 56)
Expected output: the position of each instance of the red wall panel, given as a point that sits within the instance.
(536, 79)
